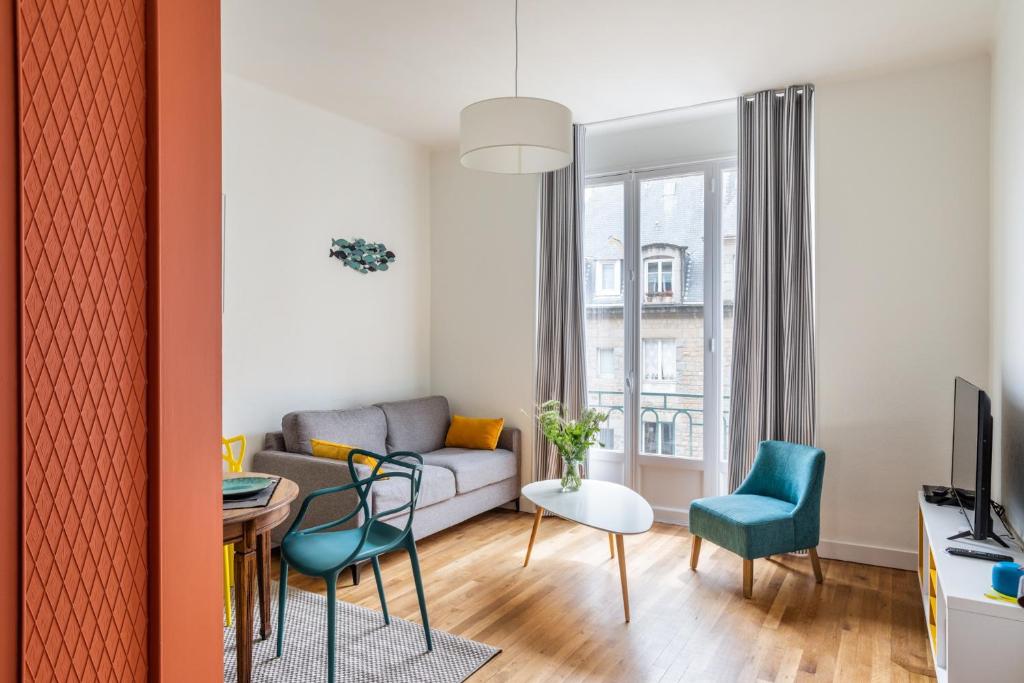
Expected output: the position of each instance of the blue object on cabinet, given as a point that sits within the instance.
(1006, 577)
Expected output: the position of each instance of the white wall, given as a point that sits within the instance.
(483, 292)
(902, 257)
(1008, 256)
(300, 329)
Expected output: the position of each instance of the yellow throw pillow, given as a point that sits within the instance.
(339, 451)
(480, 433)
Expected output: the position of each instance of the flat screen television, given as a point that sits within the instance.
(971, 477)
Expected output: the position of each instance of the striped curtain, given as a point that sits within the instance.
(561, 370)
(773, 343)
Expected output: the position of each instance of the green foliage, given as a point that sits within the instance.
(572, 438)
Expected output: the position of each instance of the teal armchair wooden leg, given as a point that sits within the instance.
(332, 583)
(380, 591)
(282, 598)
(411, 547)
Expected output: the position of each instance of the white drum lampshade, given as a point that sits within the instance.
(515, 135)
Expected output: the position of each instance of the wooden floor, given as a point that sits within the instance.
(560, 619)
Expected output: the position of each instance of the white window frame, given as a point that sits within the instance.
(662, 343)
(601, 351)
(634, 278)
(659, 438)
(600, 286)
(663, 263)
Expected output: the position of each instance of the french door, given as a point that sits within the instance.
(659, 252)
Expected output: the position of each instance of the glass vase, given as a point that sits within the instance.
(571, 479)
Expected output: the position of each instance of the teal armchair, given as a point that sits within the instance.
(319, 551)
(775, 510)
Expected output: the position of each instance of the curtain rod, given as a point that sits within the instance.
(749, 97)
(659, 111)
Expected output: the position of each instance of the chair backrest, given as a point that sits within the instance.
(227, 451)
(410, 467)
(787, 471)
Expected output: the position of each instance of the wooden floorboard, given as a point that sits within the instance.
(560, 619)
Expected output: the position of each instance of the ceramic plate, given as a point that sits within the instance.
(239, 487)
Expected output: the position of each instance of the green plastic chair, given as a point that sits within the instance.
(316, 551)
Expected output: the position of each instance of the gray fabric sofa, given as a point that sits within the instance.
(457, 483)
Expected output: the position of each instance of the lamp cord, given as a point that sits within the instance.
(516, 23)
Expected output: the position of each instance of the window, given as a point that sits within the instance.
(659, 359)
(608, 278)
(658, 248)
(659, 276)
(606, 363)
(660, 438)
(607, 438)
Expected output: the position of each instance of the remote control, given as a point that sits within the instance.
(978, 555)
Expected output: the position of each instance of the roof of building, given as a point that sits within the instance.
(671, 212)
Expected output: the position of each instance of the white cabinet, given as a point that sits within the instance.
(973, 638)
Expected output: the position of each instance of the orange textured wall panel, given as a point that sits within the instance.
(82, 156)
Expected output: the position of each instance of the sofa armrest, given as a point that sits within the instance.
(511, 439)
(310, 474)
(273, 441)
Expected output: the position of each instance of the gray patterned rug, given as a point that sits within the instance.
(367, 650)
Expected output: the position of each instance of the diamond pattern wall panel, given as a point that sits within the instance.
(82, 154)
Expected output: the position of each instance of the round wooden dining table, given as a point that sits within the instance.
(249, 530)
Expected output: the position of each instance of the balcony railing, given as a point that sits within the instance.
(658, 405)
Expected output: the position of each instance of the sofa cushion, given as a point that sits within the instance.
(419, 425)
(342, 452)
(437, 485)
(476, 433)
(474, 469)
(363, 428)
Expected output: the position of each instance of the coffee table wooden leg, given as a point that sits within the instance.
(245, 574)
(622, 574)
(611, 545)
(533, 534)
(263, 580)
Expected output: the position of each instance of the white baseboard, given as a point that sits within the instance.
(832, 550)
(868, 554)
(670, 515)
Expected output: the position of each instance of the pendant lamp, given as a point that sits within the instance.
(515, 134)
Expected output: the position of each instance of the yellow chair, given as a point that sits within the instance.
(234, 465)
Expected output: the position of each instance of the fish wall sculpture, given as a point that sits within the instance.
(362, 256)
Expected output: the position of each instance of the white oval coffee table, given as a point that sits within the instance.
(601, 505)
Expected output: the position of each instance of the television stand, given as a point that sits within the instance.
(970, 534)
(971, 637)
